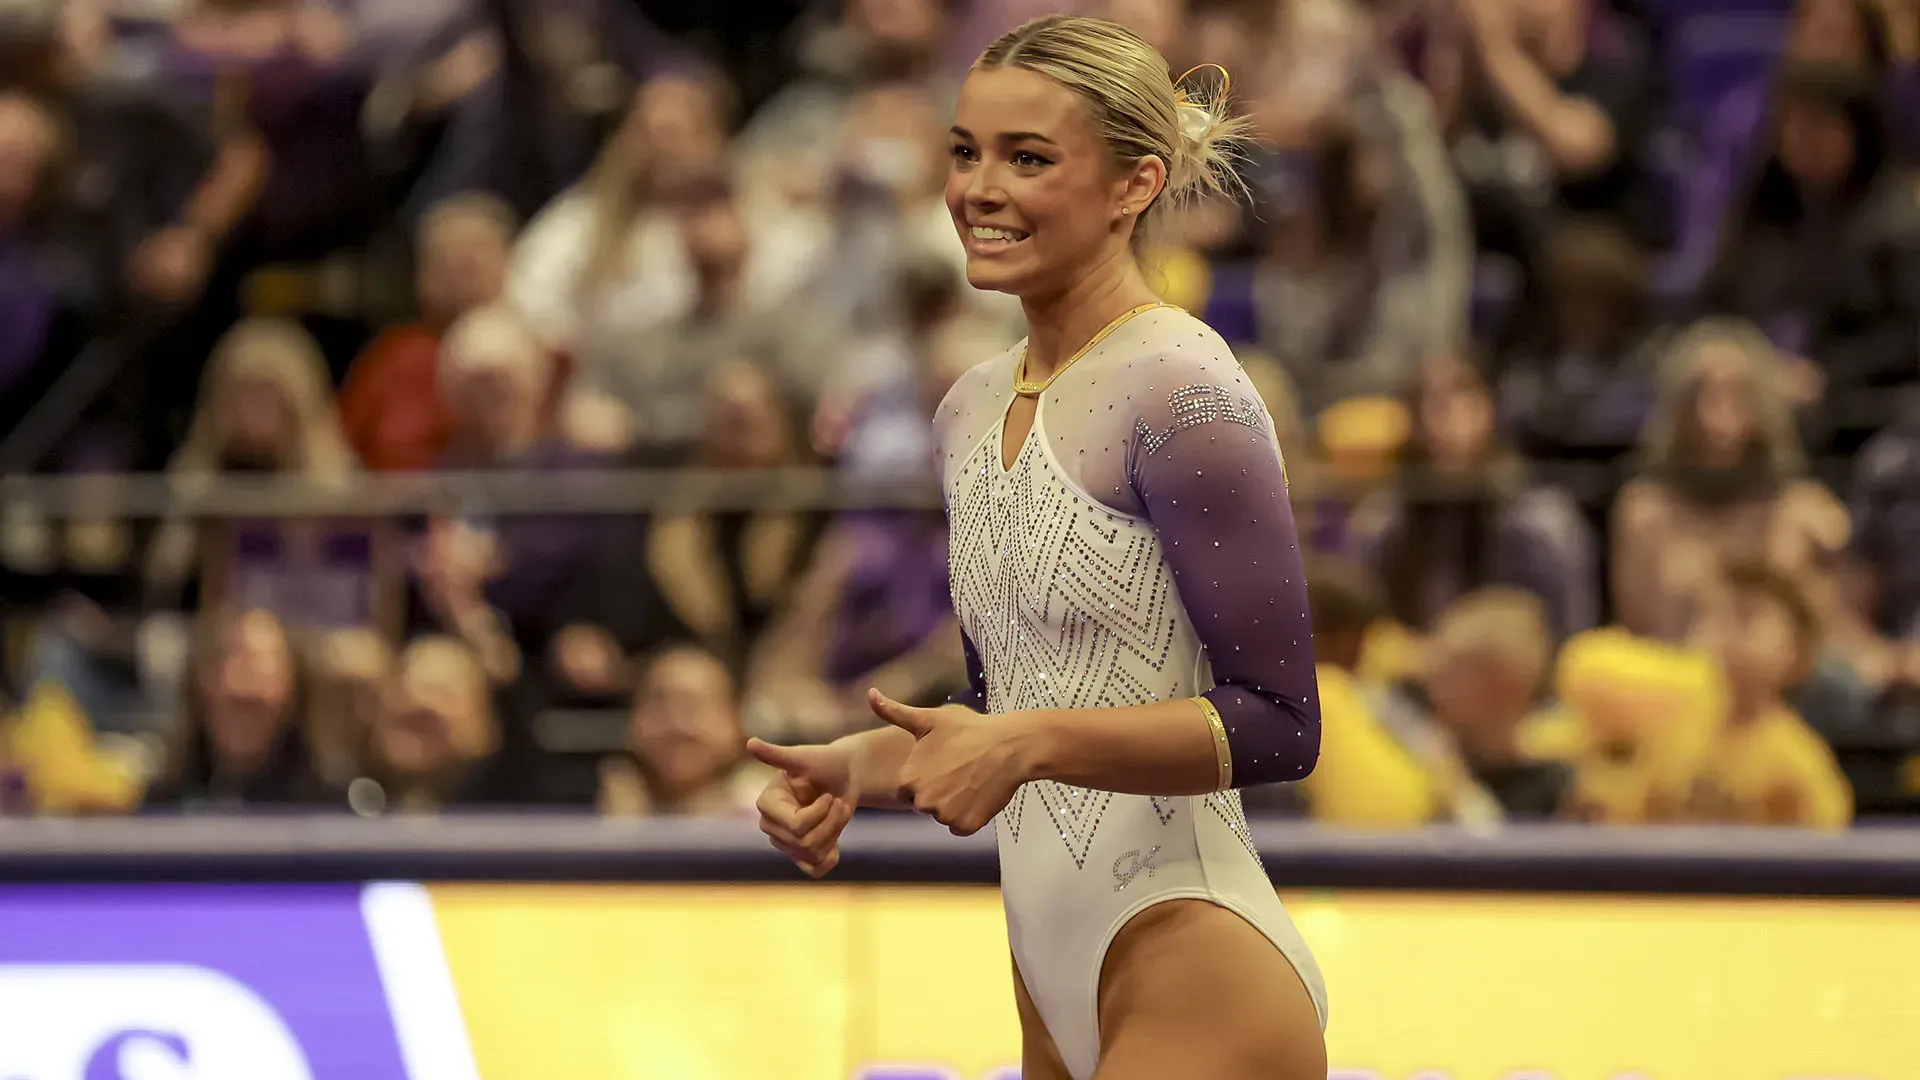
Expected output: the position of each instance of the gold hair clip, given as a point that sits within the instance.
(1226, 77)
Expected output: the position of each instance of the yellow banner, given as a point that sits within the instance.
(833, 982)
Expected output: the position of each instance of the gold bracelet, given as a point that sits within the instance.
(1221, 751)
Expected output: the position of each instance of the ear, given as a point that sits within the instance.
(1144, 182)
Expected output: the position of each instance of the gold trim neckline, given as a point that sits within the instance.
(1034, 389)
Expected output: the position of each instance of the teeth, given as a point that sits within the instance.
(981, 232)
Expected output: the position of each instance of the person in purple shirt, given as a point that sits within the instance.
(1464, 515)
(1855, 32)
(1128, 579)
(1829, 192)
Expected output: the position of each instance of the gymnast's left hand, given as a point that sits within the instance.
(964, 767)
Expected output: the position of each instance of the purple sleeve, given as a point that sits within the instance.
(975, 695)
(1211, 480)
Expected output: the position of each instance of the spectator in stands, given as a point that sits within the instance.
(787, 152)
(147, 199)
(390, 405)
(1344, 295)
(1765, 766)
(266, 408)
(495, 586)
(885, 194)
(29, 145)
(1886, 515)
(1722, 479)
(244, 739)
(521, 104)
(1580, 382)
(729, 575)
(874, 608)
(1827, 193)
(604, 249)
(686, 749)
(1357, 184)
(651, 241)
(277, 68)
(433, 745)
(1366, 776)
(1464, 515)
(658, 375)
(1544, 126)
(1861, 34)
(873, 416)
(1490, 657)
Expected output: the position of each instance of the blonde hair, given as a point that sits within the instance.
(1680, 372)
(280, 352)
(1500, 622)
(276, 351)
(622, 183)
(1136, 107)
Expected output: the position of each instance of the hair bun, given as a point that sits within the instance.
(1196, 122)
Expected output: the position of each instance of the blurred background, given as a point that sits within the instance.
(420, 405)
(417, 406)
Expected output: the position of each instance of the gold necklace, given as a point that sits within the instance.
(1034, 389)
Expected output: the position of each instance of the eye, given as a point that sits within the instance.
(1027, 159)
(962, 152)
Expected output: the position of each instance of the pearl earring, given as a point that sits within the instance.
(1126, 209)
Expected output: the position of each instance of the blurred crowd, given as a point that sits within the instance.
(1590, 328)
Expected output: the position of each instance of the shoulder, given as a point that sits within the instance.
(1175, 363)
(983, 380)
(1816, 510)
(1548, 512)
(975, 401)
(1791, 733)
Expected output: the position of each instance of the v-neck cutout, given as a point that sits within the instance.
(1010, 452)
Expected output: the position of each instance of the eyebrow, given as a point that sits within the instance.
(1005, 136)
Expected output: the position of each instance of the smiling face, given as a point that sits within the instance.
(1033, 189)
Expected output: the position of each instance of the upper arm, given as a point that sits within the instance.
(1206, 469)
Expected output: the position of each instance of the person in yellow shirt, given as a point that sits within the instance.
(1765, 766)
(1365, 778)
(1486, 663)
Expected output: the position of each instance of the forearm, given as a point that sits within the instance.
(1166, 748)
(1576, 134)
(874, 759)
(230, 187)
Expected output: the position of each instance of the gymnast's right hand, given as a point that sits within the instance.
(804, 808)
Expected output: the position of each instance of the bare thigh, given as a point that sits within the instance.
(1192, 989)
(1039, 1058)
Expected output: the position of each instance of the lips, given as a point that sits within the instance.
(993, 239)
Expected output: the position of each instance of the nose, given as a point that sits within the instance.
(983, 189)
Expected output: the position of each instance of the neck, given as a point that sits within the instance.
(1744, 709)
(1059, 324)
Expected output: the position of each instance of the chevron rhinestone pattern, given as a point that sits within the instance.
(1069, 606)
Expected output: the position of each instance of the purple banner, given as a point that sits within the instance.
(210, 982)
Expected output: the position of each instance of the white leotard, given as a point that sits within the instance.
(1068, 600)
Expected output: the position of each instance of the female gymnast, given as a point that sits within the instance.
(1125, 569)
